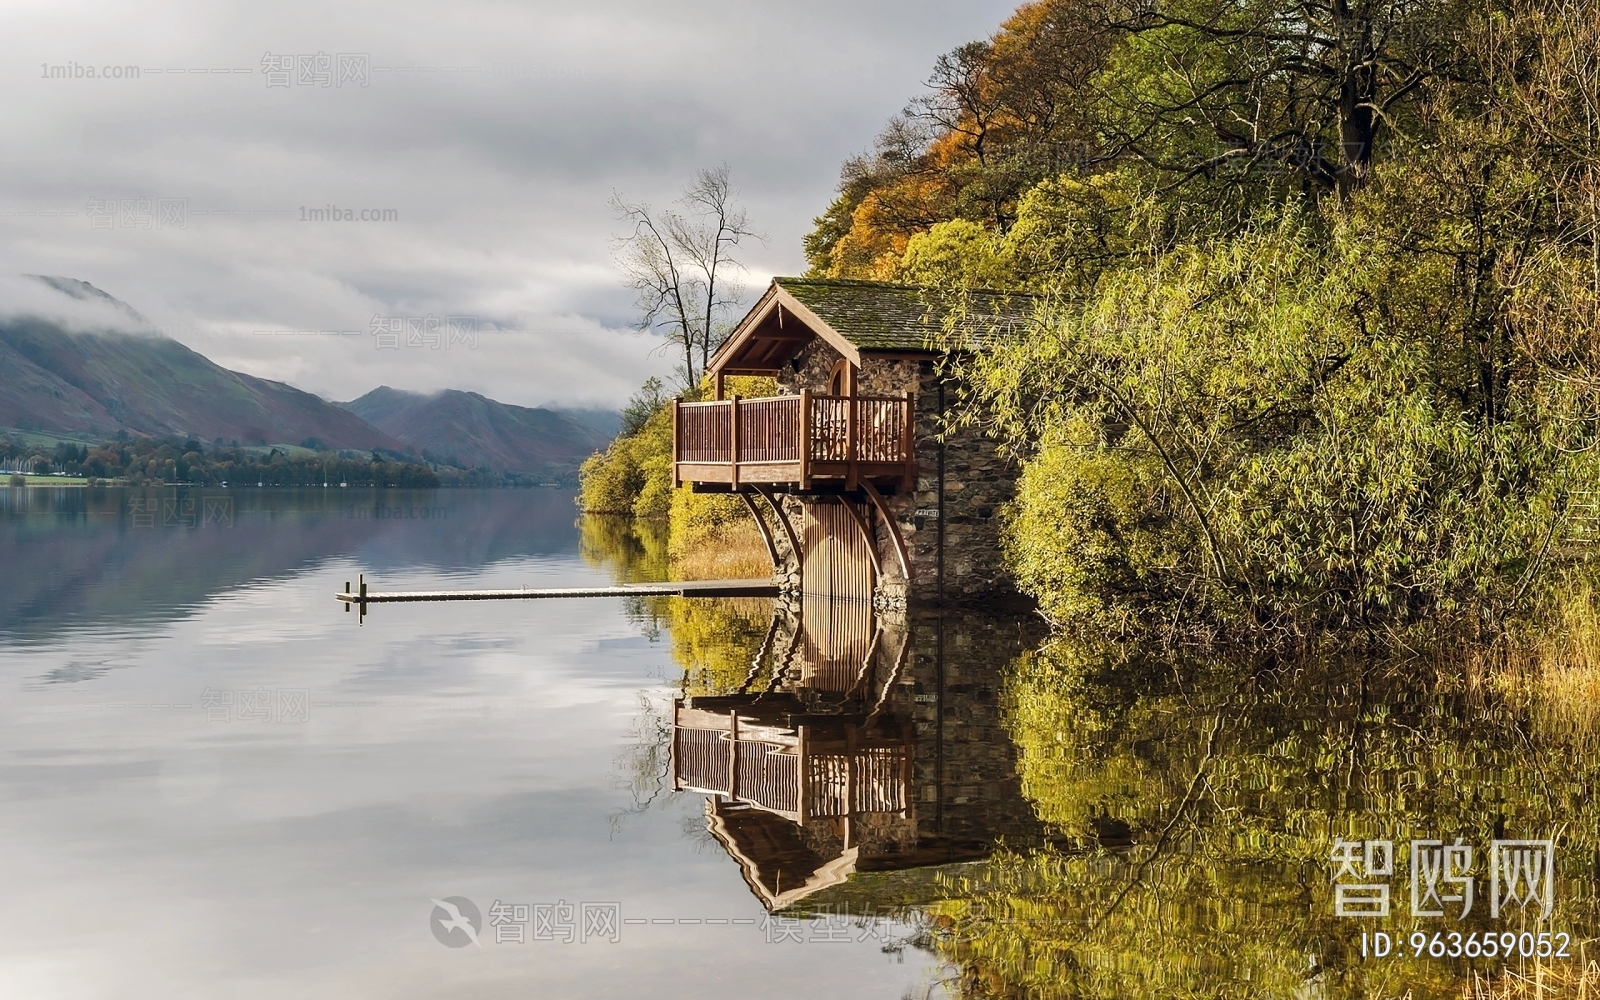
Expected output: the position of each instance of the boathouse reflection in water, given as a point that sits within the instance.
(860, 741)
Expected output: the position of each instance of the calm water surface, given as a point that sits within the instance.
(216, 782)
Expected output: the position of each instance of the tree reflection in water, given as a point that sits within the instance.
(1228, 783)
(1074, 820)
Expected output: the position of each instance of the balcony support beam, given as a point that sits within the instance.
(783, 522)
(901, 553)
(766, 532)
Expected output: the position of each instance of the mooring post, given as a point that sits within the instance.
(347, 603)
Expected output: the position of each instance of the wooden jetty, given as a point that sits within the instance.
(677, 588)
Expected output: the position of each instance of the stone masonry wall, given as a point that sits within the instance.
(977, 482)
(966, 794)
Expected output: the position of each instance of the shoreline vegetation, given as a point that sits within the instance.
(189, 462)
(1334, 385)
(703, 536)
(1308, 472)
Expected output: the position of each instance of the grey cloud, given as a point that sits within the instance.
(69, 303)
(499, 179)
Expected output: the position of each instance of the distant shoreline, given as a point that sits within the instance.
(70, 482)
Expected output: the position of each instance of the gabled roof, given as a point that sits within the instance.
(777, 864)
(856, 316)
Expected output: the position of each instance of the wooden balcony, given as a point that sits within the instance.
(795, 441)
(828, 769)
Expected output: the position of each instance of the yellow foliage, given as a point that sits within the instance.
(1089, 534)
(710, 535)
(634, 550)
(633, 475)
(715, 640)
(872, 248)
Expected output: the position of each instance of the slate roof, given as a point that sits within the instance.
(880, 316)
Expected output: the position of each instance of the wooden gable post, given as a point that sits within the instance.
(805, 438)
(733, 437)
(677, 456)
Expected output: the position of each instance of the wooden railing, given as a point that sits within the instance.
(869, 780)
(701, 759)
(875, 426)
(769, 776)
(788, 437)
(786, 771)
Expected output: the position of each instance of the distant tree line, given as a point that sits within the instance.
(146, 461)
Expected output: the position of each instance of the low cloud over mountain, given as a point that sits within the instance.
(76, 361)
(79, 361)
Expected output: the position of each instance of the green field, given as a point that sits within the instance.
(46, 439)
(33, 480)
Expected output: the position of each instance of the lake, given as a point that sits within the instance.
(217, 781)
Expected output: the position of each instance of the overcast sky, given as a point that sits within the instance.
(494, 132)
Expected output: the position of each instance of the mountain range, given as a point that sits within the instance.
(471, 431)
(120, 377)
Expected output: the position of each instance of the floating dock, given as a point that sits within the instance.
(679, 588)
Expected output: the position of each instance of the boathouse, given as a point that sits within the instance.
(860, 489)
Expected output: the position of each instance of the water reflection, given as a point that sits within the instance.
(1232, 782)
(165, 836)
(1062, 819)
(119, 557)
(858, 746)
(1079, 820)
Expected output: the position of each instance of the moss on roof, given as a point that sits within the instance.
(887, 891)
(879, 316)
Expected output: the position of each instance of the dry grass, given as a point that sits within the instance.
(1556, 671)
(1540, 982)
(732, 551)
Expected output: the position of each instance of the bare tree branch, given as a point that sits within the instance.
(683, 267)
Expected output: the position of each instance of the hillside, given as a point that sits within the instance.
(103, 381)
(468, 430)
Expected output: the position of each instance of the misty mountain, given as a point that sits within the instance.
(72, 288)
(471, 431)
(606, 423)
(98, 382)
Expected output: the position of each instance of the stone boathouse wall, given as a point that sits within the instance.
(961, 485)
